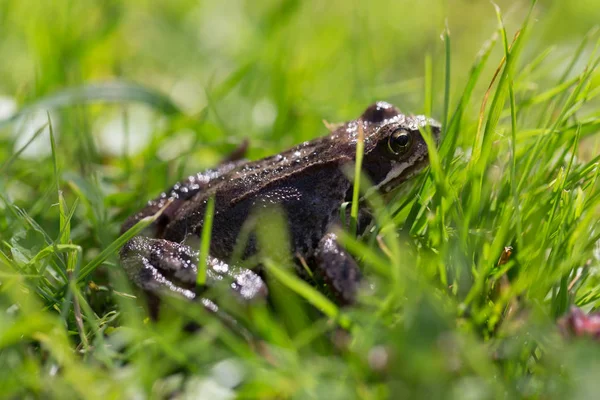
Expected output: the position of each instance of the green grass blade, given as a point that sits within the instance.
(108, 92)
(309, 293)
(205, 241)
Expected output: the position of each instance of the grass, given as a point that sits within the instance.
(450, 311)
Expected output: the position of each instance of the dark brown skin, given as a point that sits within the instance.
(306, 181)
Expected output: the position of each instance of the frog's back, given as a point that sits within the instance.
(309, 189)
(249, 179)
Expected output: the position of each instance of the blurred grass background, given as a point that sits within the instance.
(142, 93)
(267, 70)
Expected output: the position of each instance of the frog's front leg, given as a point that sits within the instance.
(338, 269)
(159, 265)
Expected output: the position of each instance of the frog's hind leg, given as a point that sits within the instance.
(161, 266)
(157, 265)
(338, 269)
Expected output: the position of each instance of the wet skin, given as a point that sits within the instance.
(307, 182)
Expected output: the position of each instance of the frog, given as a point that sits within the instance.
(308, 182)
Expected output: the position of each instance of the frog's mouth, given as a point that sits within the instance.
(401, 172)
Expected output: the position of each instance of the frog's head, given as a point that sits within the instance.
(394, 147)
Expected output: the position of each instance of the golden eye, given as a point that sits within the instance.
(400, 142)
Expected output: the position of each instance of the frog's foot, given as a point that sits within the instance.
(159, 265)
(338, 269)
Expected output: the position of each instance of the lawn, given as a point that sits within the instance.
(103, 105)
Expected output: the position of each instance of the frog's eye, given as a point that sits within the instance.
(400, 142)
